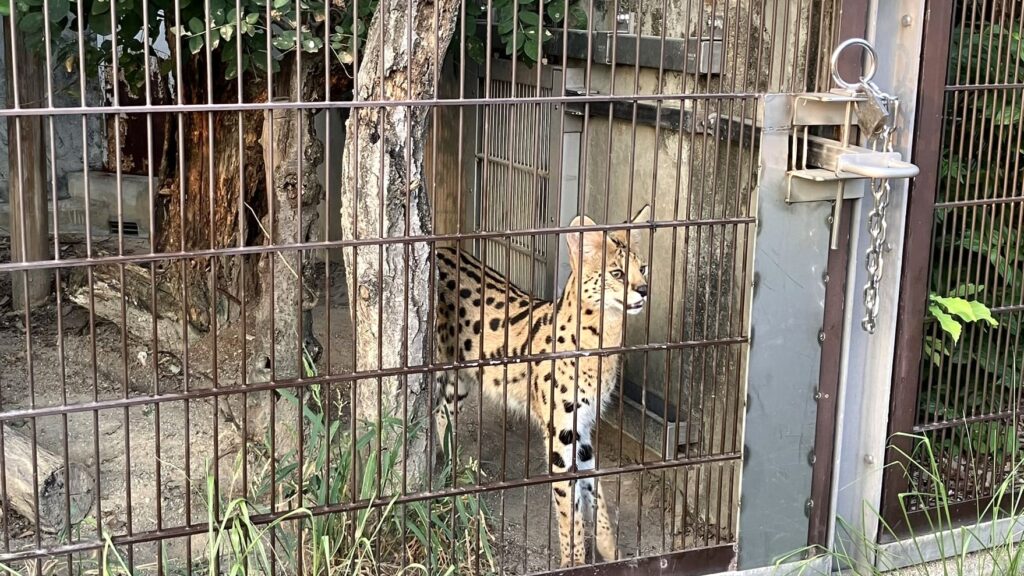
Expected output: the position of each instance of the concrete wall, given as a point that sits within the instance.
(67, 130)
(700, 274)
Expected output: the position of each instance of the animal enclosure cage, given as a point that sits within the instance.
(196, 376)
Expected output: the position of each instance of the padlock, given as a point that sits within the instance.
(873, 112)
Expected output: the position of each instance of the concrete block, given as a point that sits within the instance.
(103, 193)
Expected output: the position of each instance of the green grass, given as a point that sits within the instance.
(998, 554)
(384, 539)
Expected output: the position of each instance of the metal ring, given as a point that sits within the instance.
(869, 67)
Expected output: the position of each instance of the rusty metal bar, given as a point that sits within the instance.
(917, 250)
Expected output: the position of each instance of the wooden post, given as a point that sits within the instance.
(26, 153)
(52, 484)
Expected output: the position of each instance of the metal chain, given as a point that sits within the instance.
(880, 192)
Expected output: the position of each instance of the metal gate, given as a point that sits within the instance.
(963, 240)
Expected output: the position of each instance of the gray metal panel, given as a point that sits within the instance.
(790, 258)
(895, 30)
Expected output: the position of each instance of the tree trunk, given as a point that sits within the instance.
(27, 191)
(289, 292)
(383, 187)
(49, 471)
(214, 156)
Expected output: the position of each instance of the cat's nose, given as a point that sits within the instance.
(642, 290)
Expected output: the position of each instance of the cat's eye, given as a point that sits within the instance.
(643, 270)
(617, 274)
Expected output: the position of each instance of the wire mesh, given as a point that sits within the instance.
(967, 397)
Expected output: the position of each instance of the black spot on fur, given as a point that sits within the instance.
(489, 300)
(468, 344)
(519, 317)
(465, 293)
(556, 460)
(547, 340)
(476, 327)
(499, 305)
(450, 284)
(561, 339)
(495, 324)
(588, 311)
(497, 381)
(547, 377)
(567, 436)
(564, 389)
(560, 492)
(568, 406)
(586, 452)
(476, 301)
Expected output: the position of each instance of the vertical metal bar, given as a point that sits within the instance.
(915, 274)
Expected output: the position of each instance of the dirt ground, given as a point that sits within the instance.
(151, 459)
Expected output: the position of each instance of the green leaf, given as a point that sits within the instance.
(285, 40)
(227, 31)
(59, 9)
(577, 17)
(31, 23)
(5, 7)
(196, 26)
(531, 50)
(504, 27)
(531, 19)
(946, 322)
(555, 11)
(982, 313)
(957, 307)
(968, 290)
(195, 44)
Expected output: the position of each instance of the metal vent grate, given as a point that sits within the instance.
(519, 155)
(130, 228)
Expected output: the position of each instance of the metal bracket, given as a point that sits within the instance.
(644, 113)
(821, 166)
(693, 55)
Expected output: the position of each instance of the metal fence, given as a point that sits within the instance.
(202, 367)
(963, 241)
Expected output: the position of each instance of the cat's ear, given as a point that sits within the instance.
(587, 242)
(643, 215)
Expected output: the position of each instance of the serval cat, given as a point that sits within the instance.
(473, 315)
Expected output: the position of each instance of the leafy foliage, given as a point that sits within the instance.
(252, 36)
(972, 357)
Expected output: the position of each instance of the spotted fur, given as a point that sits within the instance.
(563, 397)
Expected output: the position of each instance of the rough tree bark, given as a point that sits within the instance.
(39, 477)
(289, 292)
(383, 195)
(191, 223)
